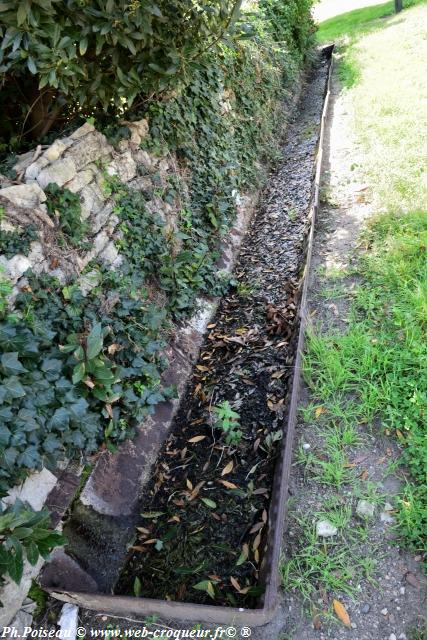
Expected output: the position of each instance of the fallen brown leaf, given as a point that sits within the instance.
(228, 468)
(412, 580)
(341, 613)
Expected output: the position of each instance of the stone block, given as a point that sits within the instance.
(82, 179)
(24, 195)
(59, 172)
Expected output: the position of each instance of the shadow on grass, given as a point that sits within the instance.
(359, 21)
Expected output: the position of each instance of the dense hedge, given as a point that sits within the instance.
(61, 58)
(101, 53)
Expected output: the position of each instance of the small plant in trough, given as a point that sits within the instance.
(228, 422)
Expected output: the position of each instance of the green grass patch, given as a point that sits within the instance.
(381, 360)
(328, 566)
(357, 22)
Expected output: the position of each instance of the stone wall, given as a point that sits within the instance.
(80, 162)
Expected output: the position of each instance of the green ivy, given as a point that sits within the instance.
(17, 241)
(64, 208)
(24, 533)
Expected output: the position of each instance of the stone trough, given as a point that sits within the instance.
(105, 513)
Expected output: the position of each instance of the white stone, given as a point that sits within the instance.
(92, 200)
(86, 128)
(92, 148)
(365, 509)
(34, 168)
(144, 158)
(384, 611)
(392, 636)
(141, 183)
(110, 254)
(12, 595)
(80, 180)
(24, 161)
(17, 266)
(24, 195)
(306, 446)
(36, 255)
(100, 218)
(402, 591)
(386, 518)
(21, 620)
(59, 172)
(68, 621)
(325, 529)
(201, 318)
(123, 166)
(34, 489)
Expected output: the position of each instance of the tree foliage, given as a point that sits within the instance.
(102, 53)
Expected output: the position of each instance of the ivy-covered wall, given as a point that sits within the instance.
(110, 235)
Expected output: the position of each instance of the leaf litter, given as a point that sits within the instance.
(207, 501)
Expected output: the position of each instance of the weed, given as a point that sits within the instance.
(40, 597)
(228, 422)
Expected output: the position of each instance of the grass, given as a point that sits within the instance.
(358, 22)
(376, 370)
(322, 566)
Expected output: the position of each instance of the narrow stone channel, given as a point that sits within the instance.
(204, 514)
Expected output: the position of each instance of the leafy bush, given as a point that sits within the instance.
(290, 23)
(102, 53)
(24, 531)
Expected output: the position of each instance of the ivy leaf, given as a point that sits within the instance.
(14, 388)
(11, 365)
(60, 419)
(94, 341)
(32, 553)
(79, 372)
(9, 456)
(4, 435)
(30, 458)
